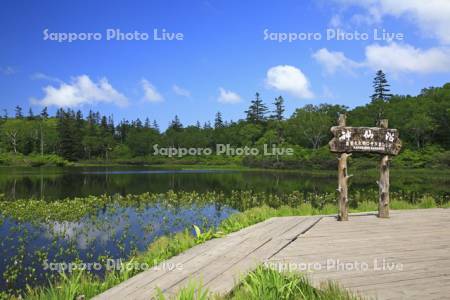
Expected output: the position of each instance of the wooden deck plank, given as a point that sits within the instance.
(252, 248)
(419, 240)
(147, 278)
(225, 282)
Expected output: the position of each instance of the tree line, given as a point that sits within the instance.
(422, 120)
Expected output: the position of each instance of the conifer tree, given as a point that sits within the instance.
(381, 93)
(218, 122)
(68, 140)
(256, 113)
(19, 112)
(279, 109)
(44, 113)
(176, 124)
(147, 123)
(155, 126)
(381, 87)
(30, 114)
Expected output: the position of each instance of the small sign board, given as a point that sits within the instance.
(365, 139)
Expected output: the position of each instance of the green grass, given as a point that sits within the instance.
(193, 290)
(268, 284)
(32, 160)
(166, 247)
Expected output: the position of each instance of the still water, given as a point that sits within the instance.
(118, 230)
(58, 183)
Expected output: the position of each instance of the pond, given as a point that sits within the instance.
(31, 239)
(58, 183)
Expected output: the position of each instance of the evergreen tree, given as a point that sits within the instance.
(59, 113)
(5, 114)
(147, 123)
(176, 124)
(91, 118)
(278, 117)
(155, 126)
(381, 94)
(97, 118)
(79, 119)
(78, 135)
(68, 144)
(104, 124)
(44, 113)
(19, 112)
(279, 109)
(218, 122)
(381, 87)
(106, 138)
(123, 130)
(256, 113)
(111, 126)
(138, 124)
(207, 125)
(30, 114)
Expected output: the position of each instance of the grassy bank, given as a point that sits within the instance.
(34, 160)
(82, 283)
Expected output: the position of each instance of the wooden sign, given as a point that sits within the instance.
(381, 140)
(365, 139)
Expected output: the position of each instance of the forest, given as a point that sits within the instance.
(423, 122)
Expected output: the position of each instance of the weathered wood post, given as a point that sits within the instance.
(383, 183)
(343, 179)
(380, 140)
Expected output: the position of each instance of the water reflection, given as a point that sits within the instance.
(57, 183)
(115, 232)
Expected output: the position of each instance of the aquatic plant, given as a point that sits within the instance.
(115, 220)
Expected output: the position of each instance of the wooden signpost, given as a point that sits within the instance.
(380, 140)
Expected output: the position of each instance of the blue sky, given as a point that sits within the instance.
(223, 58)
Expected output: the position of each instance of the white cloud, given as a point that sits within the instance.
(394, 58)
(42, 76)
(181, 91)
(333, 61)
(431, 17)
(289, 79)
(80, 91)
(228, 96)
(398, 58)
(150, 92)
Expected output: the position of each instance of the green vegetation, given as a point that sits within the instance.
(32, 160)
(69, 286)
(422, 121)
(265, 205)
(266, 283)
(193, 290)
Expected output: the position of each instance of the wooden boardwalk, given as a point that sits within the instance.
(404, 257)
